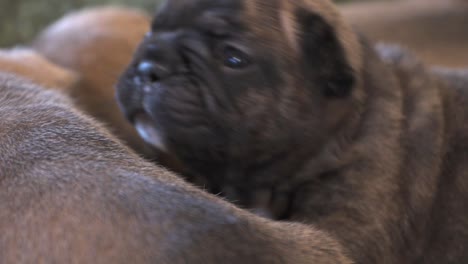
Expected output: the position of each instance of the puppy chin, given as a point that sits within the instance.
(149, 133)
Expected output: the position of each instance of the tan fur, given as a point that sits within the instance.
(289, 26)
(71, 193)
(97, 43)
(30, 64)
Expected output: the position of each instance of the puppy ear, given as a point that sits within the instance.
(324, 57)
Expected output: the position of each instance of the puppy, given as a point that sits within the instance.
(434, 29)
(71, 193)
(280, 106)
(33, 66)
(97, 43)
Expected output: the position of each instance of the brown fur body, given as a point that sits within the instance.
(279, 105)
(71, 193)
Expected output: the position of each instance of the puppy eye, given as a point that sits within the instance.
(234, 58)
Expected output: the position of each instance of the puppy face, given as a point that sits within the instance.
(235, 83)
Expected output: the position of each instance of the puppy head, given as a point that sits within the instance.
(29, 64)
(241, 81)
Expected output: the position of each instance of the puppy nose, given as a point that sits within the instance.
(160, 57)
(151, 71)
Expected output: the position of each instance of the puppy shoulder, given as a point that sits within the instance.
(16, 90)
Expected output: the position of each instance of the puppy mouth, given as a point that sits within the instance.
(144, 125)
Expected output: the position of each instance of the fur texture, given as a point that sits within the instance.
(71, 193)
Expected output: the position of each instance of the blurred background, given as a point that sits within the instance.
(21, 19)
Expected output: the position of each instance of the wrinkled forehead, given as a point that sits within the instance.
(259, 18)
(195, 4)
(173, 14)
(258, 14)
(268, 15)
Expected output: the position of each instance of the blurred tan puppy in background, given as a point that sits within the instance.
(33, 66)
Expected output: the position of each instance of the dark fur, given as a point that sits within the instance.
(367, 146)
(70, 193)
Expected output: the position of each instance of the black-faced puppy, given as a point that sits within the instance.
(97, 43)
(71, 193)
(279, 105)
(231, 87)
